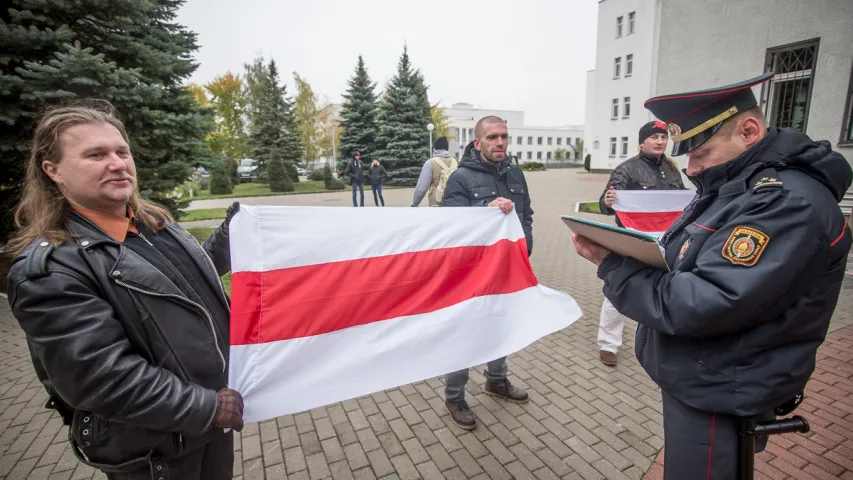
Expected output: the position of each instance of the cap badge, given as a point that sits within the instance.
(674, 130)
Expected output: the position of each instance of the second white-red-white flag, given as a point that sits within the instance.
(330, 304)
(651, 211)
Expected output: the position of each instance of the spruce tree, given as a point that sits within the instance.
(403, 141)
(220, 179)
(277, 173)
(273, 119)
(358, 118)
(128, 52)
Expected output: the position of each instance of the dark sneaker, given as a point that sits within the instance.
(461, 414)
(505, 390)
(607, 358)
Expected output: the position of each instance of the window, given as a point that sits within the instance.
(530, 155)
(786, 99)
(539, 141)
(568, 140)
(617, 67)
(530, 140)
(624, 146)
(538, 155)
(520, 140)
(631, 17)
(509, 140)
(847, 121)
(614, 114)
(559, 140)
(548, 156)
(629, 65)
(618, 27)
(550, 140)
(612, 146)
(626, 110)
(470, 133)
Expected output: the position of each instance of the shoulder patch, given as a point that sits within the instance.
(767, 183)
(745, 246)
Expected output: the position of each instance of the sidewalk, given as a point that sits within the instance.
(826, 452)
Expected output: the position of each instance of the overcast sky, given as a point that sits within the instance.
(501, 54)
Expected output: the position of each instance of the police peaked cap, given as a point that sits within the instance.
(694, 117)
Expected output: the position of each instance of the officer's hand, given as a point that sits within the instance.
(229, 410)
(504, 204)
(610, 197)
(588, 250)
(229, 214)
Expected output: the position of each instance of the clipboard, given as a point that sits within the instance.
(628, 243)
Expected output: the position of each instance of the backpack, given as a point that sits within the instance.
(446, 170)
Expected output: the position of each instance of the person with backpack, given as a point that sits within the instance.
(487, 178)
(377, 174)
(433, 179)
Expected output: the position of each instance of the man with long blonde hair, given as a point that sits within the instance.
(124, 312)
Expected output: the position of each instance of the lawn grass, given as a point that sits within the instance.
(252, 189)
(203, 214)
(201, 235)
(589, 207)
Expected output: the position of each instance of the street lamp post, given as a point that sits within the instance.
(430, 127)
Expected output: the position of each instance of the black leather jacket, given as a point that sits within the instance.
(642, 172)
(130, 362)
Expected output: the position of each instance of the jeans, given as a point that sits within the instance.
(360, 186)
(377, 189)
(454, 389)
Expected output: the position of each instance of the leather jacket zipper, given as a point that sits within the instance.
(201, 308)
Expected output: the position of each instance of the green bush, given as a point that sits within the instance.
(316, 175)
(586, 162)
(220, 178)
(330, 181)
(533, 166)
(279, 178)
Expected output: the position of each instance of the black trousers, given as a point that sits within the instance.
(214, 461)
(701, 445)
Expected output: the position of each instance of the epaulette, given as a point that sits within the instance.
(767, 179)
(35, 264)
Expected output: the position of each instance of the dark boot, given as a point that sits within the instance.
(461, 414)
(503, 389)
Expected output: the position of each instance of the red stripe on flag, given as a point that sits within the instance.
(317, 299)
(648, 221)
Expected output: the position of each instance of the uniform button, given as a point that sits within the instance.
(493, 193)
(86, 432)
(476, 195)
(511, 190)
(117, 273)
(85, 419)
(44, 244)
(84, 243)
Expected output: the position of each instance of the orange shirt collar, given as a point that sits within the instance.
(114, 226)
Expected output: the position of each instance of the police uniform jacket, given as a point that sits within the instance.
(757, 260)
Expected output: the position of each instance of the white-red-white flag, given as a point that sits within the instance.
(330, 304)
(651, 211)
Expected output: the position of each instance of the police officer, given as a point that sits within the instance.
(756, 263)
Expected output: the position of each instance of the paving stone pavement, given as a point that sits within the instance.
(584, 420)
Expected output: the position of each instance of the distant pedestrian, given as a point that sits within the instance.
(377, 175)
(355, 170)
(434, 174)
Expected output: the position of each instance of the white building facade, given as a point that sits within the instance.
(809, 46)
(527, 144)
(623, 79)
